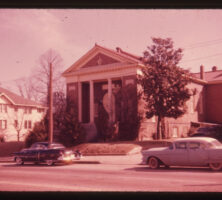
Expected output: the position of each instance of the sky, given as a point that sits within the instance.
(25, 34)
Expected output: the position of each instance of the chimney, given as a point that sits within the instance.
(214, 68)
(118, 49)
(202, 74)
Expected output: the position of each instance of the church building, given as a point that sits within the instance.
(95, 79)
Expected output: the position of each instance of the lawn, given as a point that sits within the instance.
(119, 148)
(105, 148)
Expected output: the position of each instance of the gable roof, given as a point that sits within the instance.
(118, 54)
(18, 100)
(80, 67)
(210, 76)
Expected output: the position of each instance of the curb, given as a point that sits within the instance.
(6, 159)
(11, 160)
(86, 162)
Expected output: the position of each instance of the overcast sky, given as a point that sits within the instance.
(25, 34)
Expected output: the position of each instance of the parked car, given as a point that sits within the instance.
(192, 151)
(213, 131)
(44, 152)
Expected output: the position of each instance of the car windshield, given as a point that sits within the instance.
(56, 146)
(214, 143)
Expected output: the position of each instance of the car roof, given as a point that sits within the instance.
(46, 143)
(197, 139)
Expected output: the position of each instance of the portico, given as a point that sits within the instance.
(95, 78)
(86, 92)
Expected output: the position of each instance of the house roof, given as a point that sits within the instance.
(125, 54)
(128, 57)
(210, 76)
(18, 100)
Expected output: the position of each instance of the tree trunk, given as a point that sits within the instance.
(158, 127)
(163, 132)
(18, 136)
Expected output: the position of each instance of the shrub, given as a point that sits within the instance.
(38, 134)
(71, 131)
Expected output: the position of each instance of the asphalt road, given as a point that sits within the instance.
(107, 177)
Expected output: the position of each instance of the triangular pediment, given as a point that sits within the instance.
(99, 56)
(100, 59)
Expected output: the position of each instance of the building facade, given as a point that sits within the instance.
(213, 93)
(94, 80)
(17, 115)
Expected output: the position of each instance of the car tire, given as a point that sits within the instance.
(19, 161)
(216, 166)
(153, 163)
(49, 162)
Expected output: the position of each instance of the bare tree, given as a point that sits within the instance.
(16, 119)
(25, 87)
(40, 75)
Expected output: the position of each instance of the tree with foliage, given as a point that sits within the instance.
(70, 130)
(38, 134)
(164, 82)
(130, 120)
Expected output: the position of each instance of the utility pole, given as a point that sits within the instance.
(50, 105)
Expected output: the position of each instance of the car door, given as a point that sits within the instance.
(179, 155)
(31, 155)
(42, 153)
(197, 153)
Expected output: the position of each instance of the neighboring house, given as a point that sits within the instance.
(212, 94)
(17, 115)
(94, 78)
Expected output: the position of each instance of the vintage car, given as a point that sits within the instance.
(214, 132)
(192, 151)
(44, 152)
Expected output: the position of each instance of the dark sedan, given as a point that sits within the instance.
(44, 152)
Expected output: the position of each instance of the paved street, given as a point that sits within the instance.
(112, 173)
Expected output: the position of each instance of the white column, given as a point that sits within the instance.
(80, 101)
(110, 98)
(91, 99)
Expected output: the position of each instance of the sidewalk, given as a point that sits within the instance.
(132, 159)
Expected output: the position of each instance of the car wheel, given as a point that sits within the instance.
(19, 161)
(49, 162)
(153, 163)
(215, 166)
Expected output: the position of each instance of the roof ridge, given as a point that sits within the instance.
(17, 99)
(218, 70)
(119, 51)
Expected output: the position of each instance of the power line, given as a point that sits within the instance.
(200, 58)
(206, 43)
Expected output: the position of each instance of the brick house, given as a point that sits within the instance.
(17, 115)
(212, 94)
(94, 78)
